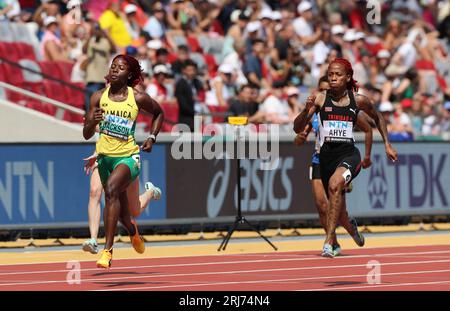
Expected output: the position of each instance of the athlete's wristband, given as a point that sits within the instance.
(152, 137)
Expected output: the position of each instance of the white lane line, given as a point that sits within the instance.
(315, 257)
(369, 287)
(289, 253)
(177, 275)
(282, 281)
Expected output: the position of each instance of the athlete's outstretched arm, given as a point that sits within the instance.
(148, 104)
(94, 115)
(365, 104)
(307, 113)
(363, 123)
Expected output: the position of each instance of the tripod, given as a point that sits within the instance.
(239, 218)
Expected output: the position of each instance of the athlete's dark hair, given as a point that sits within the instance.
(323, 79)
(352, 84)
(134, 68)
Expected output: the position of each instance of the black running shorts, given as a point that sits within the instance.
(330, 161)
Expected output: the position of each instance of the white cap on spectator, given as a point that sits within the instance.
(253, 26)
(337, 29)
(292, 90)
(360, 35)
(130, 8)
(276, 15)
(160, 69)
(49, 20)
(386, 107)
(266, 13)
(154, 44)
(383, 54)
(73, 3)
(304, 6)
(350, 35)
(225, 68)
(235, 16)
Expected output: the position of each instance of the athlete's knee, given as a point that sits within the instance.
(334, 187)
(111, 191)
(135, 212)
(96, 192)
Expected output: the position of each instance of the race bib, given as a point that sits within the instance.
(115, 126)
(338, 131)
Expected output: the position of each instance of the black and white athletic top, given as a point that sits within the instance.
(336, 123)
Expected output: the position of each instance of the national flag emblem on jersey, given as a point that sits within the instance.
(328, 109)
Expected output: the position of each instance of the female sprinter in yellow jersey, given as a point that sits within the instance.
(115, 109)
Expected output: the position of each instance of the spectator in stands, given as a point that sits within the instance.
(156, 24)
(9, 10)
(47, 8)
(402, 86)
(157, 88)
(99, 49)
(131, 21)
(393, 35)
(378, 77)
(445, 122)
(297, 68)
(244, 105)
(52, 48)
(303, 24)
(113, 21)
(253, 65)
(208, 11)
(223, 87)
(235, 60)
(182, 57)
(236, 31)
(187, 89)
(275, 106)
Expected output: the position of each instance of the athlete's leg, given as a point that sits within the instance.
(137, 203)
(115, 186)
(335, 186)
(344, 220)
(321, 202)
(94, 210)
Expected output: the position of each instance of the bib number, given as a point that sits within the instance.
(137, 159)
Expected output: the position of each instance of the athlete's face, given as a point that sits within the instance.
(118, 72)
(337, 75)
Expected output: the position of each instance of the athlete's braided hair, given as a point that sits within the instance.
(352, 84)
(133, 67)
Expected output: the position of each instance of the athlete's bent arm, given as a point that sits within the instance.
(363, 123)
(94, 116)
(307, 113)
(148, 104)
(365, 104)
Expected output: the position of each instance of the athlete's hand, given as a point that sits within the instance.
(366, 162)
(300, 138)
(310, 102)
(147, 145)
(391, 153)
(98, 115)
(90, 164)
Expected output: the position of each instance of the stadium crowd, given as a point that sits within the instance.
(258, 57)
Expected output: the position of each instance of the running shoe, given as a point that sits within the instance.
(327, 251)
(336, 250)
(90, 246)
(357, 236)
(156, 191)
(136, 240)
(105, 259)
